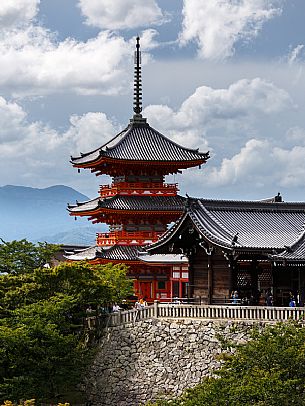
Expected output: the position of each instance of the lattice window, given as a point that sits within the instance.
(265, 278)
(243, 279)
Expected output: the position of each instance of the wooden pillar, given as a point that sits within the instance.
(232, 273)
(191, 277)
(210, 276)
(254, 276)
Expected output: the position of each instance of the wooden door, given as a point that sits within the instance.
(145, 290)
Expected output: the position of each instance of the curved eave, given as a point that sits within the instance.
(115, 261)
(99, 164)
(166, 237)
(211, 229)
(208, 236)
(101, 211)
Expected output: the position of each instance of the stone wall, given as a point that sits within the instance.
(156, 358)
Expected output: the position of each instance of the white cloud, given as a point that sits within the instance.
(11, 121)
(295, 54)
(17, 12)
(38, 155)
(148, 41)
(217, 25)
(260, 166)
(249, 165)
(121, 14)
(89, 131)
(239, 105)
(34, 63)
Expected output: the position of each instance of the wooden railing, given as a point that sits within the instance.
(209, 312)
(131, 316)
(231, 312)
(132, 188)
(127, 237)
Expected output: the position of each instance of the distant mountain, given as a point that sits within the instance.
(41, 215)
(76, 236)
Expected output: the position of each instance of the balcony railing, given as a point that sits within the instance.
(127, 238)
(230, 312)
(149, 189)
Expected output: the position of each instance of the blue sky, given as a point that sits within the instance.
(222, 75)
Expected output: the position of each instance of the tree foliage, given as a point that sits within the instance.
(23, 256)
(268, 370)
(42, 353)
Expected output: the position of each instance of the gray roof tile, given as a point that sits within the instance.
(132, 203)
(140, 142)
(259, 225)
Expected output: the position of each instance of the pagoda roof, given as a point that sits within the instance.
(89, 253)
(126, 253)
(131, 203)
(240, 225)
(140, 142)
(112, 253)
(119, 253)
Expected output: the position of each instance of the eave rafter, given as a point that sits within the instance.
(107, 166)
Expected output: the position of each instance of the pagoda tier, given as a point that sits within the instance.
(139, 148)
(123, 209)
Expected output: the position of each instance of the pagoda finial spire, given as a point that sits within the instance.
(137, 93)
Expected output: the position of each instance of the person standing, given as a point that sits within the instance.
(292, 302)
(234, 297)
(116, 308)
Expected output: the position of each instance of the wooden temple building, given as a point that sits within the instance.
(215, 246)
(139, 204)
(255, 248)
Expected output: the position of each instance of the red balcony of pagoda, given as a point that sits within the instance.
(127, 238)
(146, 189)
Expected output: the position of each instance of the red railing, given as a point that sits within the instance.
(127, 238)
(148, 188)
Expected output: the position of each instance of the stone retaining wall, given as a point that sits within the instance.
(156, 358)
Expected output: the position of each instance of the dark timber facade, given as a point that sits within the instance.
(251, 247)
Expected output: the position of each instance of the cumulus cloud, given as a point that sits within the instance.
(217, 25)
(148, 40)
(34, 63)
(89, 131)
(38, 155)
(258, 167)
(17, 12)
(249, 165)
(236, 106)
(121, 14)
(11, 121)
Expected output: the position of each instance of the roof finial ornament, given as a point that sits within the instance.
(137, 81)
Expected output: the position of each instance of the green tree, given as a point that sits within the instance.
(268, 370)
(23, 256)
(40, 356)
(42, 353)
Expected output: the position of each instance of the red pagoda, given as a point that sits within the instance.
(138, 205)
